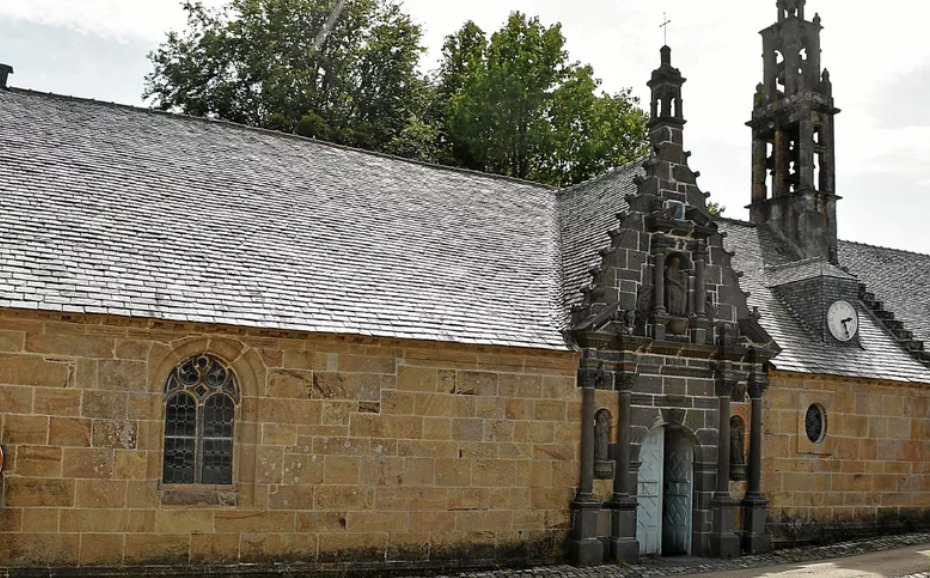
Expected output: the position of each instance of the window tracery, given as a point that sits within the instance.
(201, 395)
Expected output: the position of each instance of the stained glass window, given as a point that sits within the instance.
(200, 413)
(815, 423)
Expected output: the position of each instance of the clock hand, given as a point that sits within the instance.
(844, 322)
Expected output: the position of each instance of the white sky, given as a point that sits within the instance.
(879, 59)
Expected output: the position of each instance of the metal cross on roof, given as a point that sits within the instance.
(664, 27)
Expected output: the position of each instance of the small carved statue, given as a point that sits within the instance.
(601, 435)
(737, 459)
(603, 466)
(676, 288)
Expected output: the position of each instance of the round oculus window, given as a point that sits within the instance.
(815, 423)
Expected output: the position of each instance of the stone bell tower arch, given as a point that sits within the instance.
(793, 160)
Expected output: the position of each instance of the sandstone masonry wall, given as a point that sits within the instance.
(346, 448)
(868, 474)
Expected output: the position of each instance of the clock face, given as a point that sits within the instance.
(842, 320)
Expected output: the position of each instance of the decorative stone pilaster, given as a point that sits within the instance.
(756, 539)
(724, 541)
(623, 544)
(700, 329)
(585, 547)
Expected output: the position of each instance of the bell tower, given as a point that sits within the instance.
(793, 163)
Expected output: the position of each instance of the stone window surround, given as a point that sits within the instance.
(249, 370)
(824, 447)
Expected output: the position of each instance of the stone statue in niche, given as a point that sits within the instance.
(676, 288)
(603, 466)
(737, 458)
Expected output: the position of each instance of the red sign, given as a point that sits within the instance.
(1, 459)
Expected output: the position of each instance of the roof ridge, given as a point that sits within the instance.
(885, 248)
(219, 121)
(608, 173)
(781, 266)
(735, 221)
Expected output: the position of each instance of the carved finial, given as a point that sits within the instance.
(826, 87)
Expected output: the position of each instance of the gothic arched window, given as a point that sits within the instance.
(200, 409)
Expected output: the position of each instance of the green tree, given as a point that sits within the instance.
(515, 105)
(269, 63)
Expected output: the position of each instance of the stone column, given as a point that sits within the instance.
(659, 315)
(756, 539)
(585, 547)
(782, 151)
(724, 541)
(623, 544)
(700, 287)
(700, 331)
(805, 154)
(659, 283)
(759, 190)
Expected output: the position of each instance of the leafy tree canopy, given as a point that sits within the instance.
(515, 105)
(346, 71)
(268, 63)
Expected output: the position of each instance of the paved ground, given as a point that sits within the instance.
(909, 561)
(888, 556)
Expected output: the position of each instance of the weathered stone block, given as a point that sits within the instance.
(69, 431)
(422, 379)
(12, 341)
(366, 364)
(38, 461)
(25, 429)
(378, 522)
(384, 426)
(34, 520)
(432, 521)
(253, 521)
(214, 548)
(26, 492)
(303, 469)
(122, 375)
(157, 548)
(33, 370)
(321, 521)
(490, 473)
(87, 463)
(469, 499)
(362, 547)
(71, 345)
(480, 383)
(100, 494)
(417, 499)
(15, 399)
(39, 549)
(344, 498)
(101, 550)
(115, 434)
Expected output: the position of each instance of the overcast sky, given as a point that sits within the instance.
(879, 60)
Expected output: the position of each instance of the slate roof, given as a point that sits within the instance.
(124, 211)
(111, 209)
(900, 279)
(880, 357)
(587, 212)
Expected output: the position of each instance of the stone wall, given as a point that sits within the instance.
(868, 475)
(346, 448)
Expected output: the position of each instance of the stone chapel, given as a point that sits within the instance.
(223, 348)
